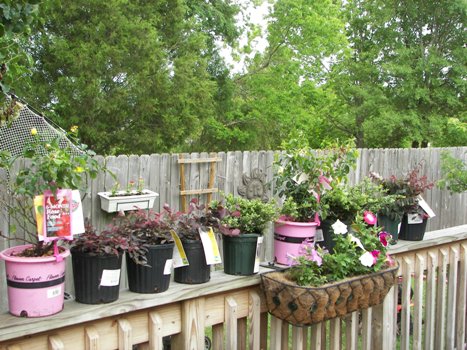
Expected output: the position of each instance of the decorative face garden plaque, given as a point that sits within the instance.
(254, 186)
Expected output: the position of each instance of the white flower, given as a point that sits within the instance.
(367, 259)
(300, 178)
(280, 170)
(356, 240)
(339, 228)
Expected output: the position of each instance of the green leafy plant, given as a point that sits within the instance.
(302, 175)
(51, 164)
(241, 215)
(454, 172)
(358, 252)
(343, 202)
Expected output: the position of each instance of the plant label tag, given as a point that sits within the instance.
(211, 248)
(413, 219)
(179, 258)
(319, 237)
(54, 292)
(168, 267)
(422, 203)
(110, 278)
(77, 221)
(258, 253)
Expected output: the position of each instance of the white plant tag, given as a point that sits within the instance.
(319, 237)
(54, 292)
(414, 219)
(211, 249)
(258, 250)
(110, 278)
(426, 207)
(168, 267)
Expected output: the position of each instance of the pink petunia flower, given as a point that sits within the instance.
(369, 218)
(383, 238)
(375, 254)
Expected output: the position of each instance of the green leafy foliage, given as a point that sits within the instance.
(361, 251)
(454, 172)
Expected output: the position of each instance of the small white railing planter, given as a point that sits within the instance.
(123, 201)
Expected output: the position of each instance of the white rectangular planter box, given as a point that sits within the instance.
(122, 202)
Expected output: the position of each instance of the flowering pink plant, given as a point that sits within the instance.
(358, 251)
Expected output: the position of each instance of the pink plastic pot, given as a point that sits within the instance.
(288, 235)
(35, 285)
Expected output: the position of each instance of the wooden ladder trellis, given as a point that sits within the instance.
(184, 193)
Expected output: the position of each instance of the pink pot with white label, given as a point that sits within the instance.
(35, 285)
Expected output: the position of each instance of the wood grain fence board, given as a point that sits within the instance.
(366, 328)
(154, 178)
(165, 181)
(275, 333)
(174, 183)
(335, 333)
(92, 341)
(440, 335)
(254, 313)
(238, 171)
(351, 331)
(418, 300)
(452, 297)
(231, 323)
(315, 336)
(407, 271)
(430, 299)
(462, 296)
(297, 338)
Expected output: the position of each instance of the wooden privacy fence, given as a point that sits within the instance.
(161, 173)
(231, 311)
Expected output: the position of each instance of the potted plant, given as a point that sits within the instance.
(97, 260)
(302, 176)
(241, 222)
(198, 217)
(133, 198)
(410, 210)
(53, 165)
(320, 286)
(342, 202)
(148, 268)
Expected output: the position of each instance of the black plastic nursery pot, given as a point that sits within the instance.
(240, 254)
(96, 278)
(412, 231)
(198, 271)
(328, 234)
(389, 225)
(151, 278)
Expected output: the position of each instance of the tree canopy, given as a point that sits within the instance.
(145, 77)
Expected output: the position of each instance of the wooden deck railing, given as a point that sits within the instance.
(231, 311)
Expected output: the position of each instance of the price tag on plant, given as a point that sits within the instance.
(414, 219)
(168, 266)
(258, 252)
(179, 256)
(110, 278)
(211, 249)
(319, 237)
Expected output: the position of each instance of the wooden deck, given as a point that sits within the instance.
(433, 274)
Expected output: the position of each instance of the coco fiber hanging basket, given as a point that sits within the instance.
(304, 306)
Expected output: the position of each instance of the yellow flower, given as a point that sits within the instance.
(33, 131)
(79, 169)
(74, 128)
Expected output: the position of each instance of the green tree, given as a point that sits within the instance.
(134, 75)
(405, 74)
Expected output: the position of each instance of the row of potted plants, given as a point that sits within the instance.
(312, 185)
